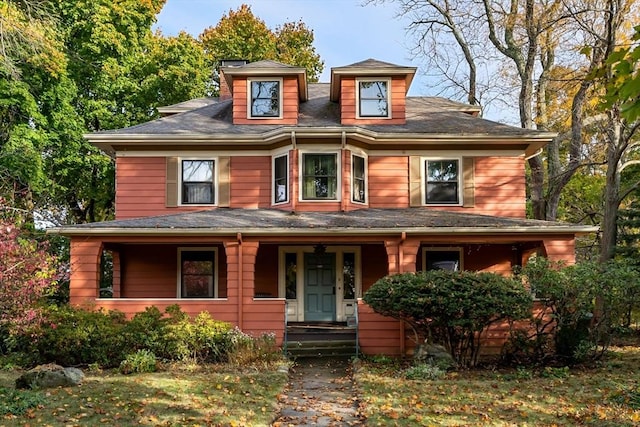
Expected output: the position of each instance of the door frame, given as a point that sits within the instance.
(295, 307)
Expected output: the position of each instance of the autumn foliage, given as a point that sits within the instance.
(27, 274)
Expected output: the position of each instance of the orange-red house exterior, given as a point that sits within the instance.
(288, 200)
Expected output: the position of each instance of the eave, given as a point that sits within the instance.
(300, 73)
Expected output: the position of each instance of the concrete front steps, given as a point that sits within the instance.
(320, 340)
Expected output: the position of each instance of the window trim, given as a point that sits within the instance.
(458, 249)
(338, 157)
(286, 177)
(216, 190)
(214, 284)
(423, 180)
(365, 179)
(389, 104)
(280, 81)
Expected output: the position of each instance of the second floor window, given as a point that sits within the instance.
(198, 182)
(280, 181)
(359, 180)
(373, 98)
(319, 176)
(265, 98)
(442, 181)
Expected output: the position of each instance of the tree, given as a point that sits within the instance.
(241, 35)
(27, 275)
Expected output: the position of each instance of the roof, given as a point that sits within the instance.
(428, 120)
(267, 68)
(226, 221)
(189, 105)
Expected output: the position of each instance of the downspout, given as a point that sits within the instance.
(293, 167)
(537, 153)
(403, 345)
(240, 284)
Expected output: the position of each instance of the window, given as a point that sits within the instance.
(319, 176)
(265, 98)
(198, 182)
(442, 185)
(442, 259)
(198, 273)
(358, 189)
(291, 275)
(349, 275)
(280, 179)
(373, 98)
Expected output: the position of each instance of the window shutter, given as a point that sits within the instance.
(171, 192)
(415, 182)
(468, 192)
(224, 182)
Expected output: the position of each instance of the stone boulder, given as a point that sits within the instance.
(50, 376)
(434, 354)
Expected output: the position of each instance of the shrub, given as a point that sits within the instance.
(148, 330)
(450, 308)
(17, 402)
(139, 362)
(246, 350)
(202, 339)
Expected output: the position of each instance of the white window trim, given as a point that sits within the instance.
(215, 270)
(273, 179)
(280, 97)
(216, 168)
(458, 249)
(338, 154)
(366, 179)
(423, 180)
(389, 109)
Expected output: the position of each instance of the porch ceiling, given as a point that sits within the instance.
(225, 221)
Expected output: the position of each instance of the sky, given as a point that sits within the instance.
(345, 31)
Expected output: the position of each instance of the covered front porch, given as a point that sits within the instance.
(262, 279)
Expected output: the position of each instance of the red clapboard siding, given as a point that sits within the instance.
(388, 182)
(289, 104)
(223, 310)
(251, 182)
(348, 103)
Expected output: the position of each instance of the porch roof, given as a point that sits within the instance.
(227, 221)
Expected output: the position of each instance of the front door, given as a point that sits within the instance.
(320, 287)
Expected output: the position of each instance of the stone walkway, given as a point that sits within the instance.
(320, 393)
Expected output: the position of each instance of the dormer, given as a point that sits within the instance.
(265, 92)
(371, 92)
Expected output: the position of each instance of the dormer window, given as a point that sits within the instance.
(265, 97)
(373, 98)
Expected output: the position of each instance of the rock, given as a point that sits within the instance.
(50, 376)
(434, 354)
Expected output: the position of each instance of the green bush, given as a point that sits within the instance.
(147, 330)
(202, 339)
(139, 362)
(247, 350)
(450, 308)
(73, 336)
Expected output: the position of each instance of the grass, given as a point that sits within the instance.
(205, 395)
(605, 395)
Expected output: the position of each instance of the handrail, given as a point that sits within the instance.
(357, 330)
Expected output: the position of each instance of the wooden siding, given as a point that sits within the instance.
(251, 182)
(348, 101)
(388, 182)
(266, 282)
(374, 264)
(289, 105)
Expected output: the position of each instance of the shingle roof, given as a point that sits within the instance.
(364, 221)
(424, 115)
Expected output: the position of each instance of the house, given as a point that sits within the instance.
(283, 201)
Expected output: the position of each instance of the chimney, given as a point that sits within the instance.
(225, 90)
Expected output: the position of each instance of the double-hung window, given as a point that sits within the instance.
(442, 181)
(373, 98)
(265, 98)
(198, 273)
(198, 183)
(442, 259)
(281, 179)
(358, 179)
(320, 176)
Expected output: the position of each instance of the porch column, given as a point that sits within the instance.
(393, 250)
(241, 262)
(408, 255)
(85, 271)
(560, 249)
(234, 289)
(117, 274)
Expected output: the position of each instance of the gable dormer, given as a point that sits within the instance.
(371, 92)
(265, 92)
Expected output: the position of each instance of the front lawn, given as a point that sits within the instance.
(605, 395)
(207, 395)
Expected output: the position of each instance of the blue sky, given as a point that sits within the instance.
(345, 31)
